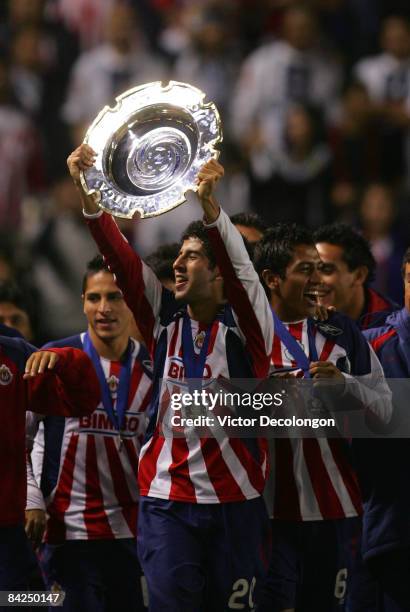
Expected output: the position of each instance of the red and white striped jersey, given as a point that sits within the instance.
(214, 469)
(313, 478)
(89, 475)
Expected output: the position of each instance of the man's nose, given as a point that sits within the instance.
(316, 276)
(178, 263)
(104, 305)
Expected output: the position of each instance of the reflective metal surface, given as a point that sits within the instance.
(150, 147)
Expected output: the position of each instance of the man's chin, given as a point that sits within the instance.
(327, 300)
(181, 294)
(106, 334)
(309, 309)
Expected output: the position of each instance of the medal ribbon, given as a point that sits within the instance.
(193, 364)
(294, 347)
(116, 417)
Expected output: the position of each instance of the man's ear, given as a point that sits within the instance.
(217, 274)
(271, 280)
(360, 275)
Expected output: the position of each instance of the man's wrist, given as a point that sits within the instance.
(211, 210)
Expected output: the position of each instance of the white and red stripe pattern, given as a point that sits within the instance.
(96, 495)
(311, 478)
(208, 470)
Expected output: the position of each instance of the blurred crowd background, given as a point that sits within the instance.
(315, 105)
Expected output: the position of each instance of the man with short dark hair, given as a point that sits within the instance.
(196, 493)
(347, 269)
(250, 225)
(161, 262)
(15, 310)
(89, 476)
(312, 493)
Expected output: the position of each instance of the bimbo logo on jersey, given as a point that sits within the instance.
(176, 370)
(99, 422)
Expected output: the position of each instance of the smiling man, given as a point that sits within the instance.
(313, 495)
(346, 272)
(197, 493)
(90, 464)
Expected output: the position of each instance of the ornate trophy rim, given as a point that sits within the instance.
(177, 113)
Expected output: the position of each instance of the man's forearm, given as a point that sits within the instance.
(89, 202)
(211, 210)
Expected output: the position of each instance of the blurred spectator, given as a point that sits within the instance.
(351, 26)
(42, 52)
(7, 265)
(393, 7)
(387, 79)
(27, 70)
(16, 310)
(60, 253)
(378, 215)
(297, 173)
(291, 147)
(86, 17)
(21, 160)
(356, 142)
(17, 284)
(21, 12)
(109, 69)
(211, 61)
(290, 70)
(174, 37)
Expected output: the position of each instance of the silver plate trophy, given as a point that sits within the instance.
(150, 147)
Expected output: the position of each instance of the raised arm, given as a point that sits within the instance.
(241, 283)
(142, 290)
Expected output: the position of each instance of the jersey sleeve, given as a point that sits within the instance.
(366, 381)
(35, 500)
(244, 292)
(142, 290)
(372, 390)
(70, 389)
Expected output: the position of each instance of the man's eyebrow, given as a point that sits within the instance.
(190, 252)
(307, 263)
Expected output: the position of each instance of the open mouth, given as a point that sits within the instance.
(105, 322)
(180, 283)
(314, 296)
